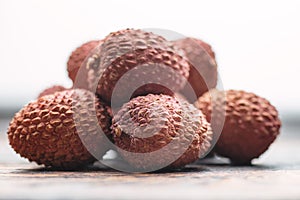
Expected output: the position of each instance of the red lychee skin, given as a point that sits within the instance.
(251, 124)
(127, 50)
(49, 131)
(203, 72)
(52, 90)
(149, 123)
(76, 60)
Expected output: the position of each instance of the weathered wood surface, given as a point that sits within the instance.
(275, 176)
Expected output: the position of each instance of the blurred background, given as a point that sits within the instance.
(257, 43)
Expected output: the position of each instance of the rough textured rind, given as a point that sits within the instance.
(128, 49)
(203, 72)
(44, 131)
(76, 60)
(251, 124)
(149, 123)
(52, 90)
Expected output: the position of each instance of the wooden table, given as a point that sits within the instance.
(275, 176)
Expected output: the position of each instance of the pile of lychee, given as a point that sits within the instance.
(151, 100)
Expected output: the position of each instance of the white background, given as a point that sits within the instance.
(257, 43)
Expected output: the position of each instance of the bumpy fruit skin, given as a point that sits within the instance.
(203, 72)
(48, 131)
(76, 60)
(149, 124)
(52, 90)
(251, 124)
(126, 51)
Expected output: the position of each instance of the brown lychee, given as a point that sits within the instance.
(136, 62)
(160, 131)
(52, 129)
(76, 60)
(251, 123)
(203, 72)
(52, 90)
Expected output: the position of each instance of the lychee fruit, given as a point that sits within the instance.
(203, 72)
(52, 129)
(52, 90)
(76, 60)
(135, 62)
(159, 131)
(251, 124)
